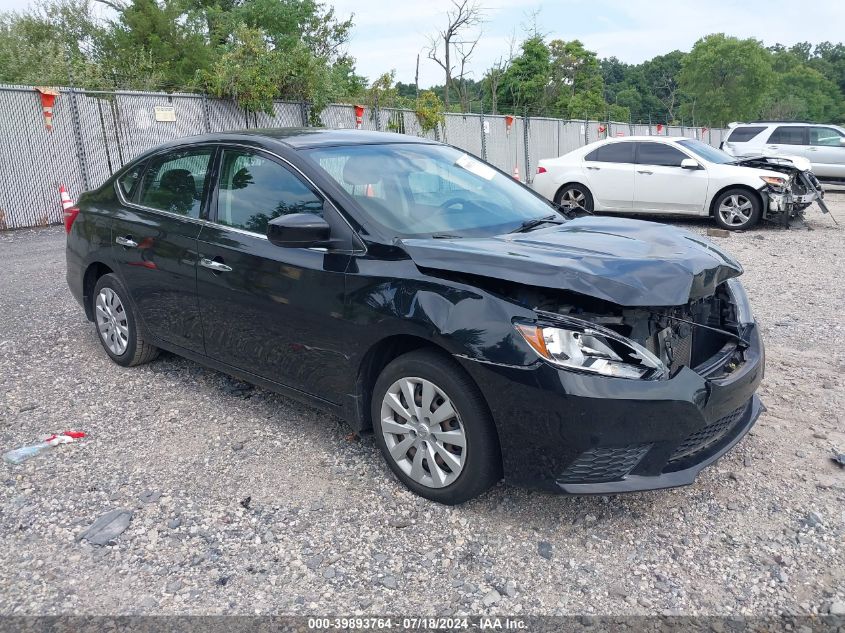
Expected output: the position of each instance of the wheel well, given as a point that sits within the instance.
(89, 280)
(567, 184)
(750, 190)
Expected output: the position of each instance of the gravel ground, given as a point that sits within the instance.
(242, 501)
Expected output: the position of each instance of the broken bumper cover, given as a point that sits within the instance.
(579, 434)
(781, 205)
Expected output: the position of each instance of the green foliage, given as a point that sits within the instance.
(247, 72)
(726, 78)
(429, 110)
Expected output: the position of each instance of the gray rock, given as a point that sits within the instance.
(837, 608)
(329, 573)
(237, 446)
(399, 522)
(617, 591)
(510, 589)
(108, 527)
(544, 549)
(150, 496)
(813, 519)
(389, 582)
(148, 602)
(174, 523)
(492, 597)
(173, 586)
(314, 562)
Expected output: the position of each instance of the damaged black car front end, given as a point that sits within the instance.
(632, 359)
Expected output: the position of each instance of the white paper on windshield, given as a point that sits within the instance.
(475, 167)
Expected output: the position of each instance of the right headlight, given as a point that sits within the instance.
(740, 300)
(584, 346)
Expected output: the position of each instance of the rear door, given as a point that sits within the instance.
(661, 184)
(154, 243)
(788, 140)
(271, 311)
(609, 171)
(826, 152)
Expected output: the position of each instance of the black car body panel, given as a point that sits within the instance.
(627, 262)
(317, 323)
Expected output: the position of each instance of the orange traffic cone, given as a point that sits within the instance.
(370, 193)
(67, 203)
(516, 171)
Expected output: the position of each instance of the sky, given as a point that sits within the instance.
(388, 34)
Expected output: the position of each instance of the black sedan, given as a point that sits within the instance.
(414, 290)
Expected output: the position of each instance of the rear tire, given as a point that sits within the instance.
(117, 328)
(422, 450)
(737, 209)
(575, 196)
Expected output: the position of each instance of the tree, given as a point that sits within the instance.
(464, 15)
(661, 77)
(727, 78)
(577, 85)
(525, 83)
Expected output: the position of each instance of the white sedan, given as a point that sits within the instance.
(664, 175)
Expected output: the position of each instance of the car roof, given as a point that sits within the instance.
(643, 137)
(306, 137)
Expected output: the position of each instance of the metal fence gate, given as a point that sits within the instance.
(95, 133)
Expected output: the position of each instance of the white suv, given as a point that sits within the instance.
(822, 145)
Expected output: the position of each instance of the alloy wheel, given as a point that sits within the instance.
(736, 210)
(423, 432)
(112, 322)
(573, 199)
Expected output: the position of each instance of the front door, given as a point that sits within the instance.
(826, 152)
(661, 184)
(154, 244)
(274, 312)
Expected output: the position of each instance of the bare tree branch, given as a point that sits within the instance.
(464, 15)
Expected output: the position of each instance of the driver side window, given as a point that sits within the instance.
(254, 189)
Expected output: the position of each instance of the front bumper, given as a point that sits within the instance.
(583, 434)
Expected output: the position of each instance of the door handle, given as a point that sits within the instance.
(644, 171)
(127, 241)
(591, 167)
(812, 149)
(213, 264)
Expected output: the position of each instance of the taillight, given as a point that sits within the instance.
(541, 170)
(70, 216)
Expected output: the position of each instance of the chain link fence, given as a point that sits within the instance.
(95, 133)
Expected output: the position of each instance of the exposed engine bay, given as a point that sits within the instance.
(787, 202)
(704, 335)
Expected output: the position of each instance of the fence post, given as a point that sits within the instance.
(483, 136)
(306, 115)
(77, 133)
(527, 141)
(205, 115)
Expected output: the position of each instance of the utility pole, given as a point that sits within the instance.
(417, 76)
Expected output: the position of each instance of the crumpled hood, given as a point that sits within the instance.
(627, 262)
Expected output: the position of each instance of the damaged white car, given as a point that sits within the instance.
(679, 176)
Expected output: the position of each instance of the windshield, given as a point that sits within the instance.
(417, 190)
(708, 152)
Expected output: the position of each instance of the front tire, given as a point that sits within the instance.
(575, 196)
(117, 327)
(434, 429)
(737, 209)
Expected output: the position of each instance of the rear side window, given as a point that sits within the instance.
(743, 134)
(659, 154)
(613, 153)
(253, 190)
(175, 182)
(825, 136)
(789, 135)
(128, 182)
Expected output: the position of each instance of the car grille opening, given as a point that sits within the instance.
(707, 436)
(604, 464)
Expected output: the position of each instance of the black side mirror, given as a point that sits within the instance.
(298, 230)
